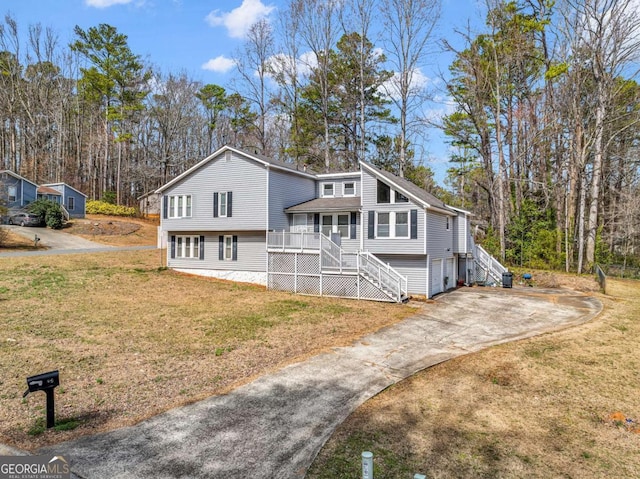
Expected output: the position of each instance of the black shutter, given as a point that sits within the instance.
(201, 247)
(173, 246)
(229, 197)
(414, 224)
(316, 223)
(372, 224)
(221, 248)
(353, 226)
(234, 251)
(165, 206)
(215, 205)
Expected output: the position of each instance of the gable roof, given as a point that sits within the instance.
(46, 190)
(17, 176)
(408, 189)
(66, 186)
(263, 160)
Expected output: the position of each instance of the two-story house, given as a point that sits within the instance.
(365, 234)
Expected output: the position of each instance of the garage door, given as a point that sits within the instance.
(436, 276)
(451, 281)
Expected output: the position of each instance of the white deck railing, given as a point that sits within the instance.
(286, 241)
(491, 265)
(334, 260)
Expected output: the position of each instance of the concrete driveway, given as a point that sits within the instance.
(55, 239)
(274, 426)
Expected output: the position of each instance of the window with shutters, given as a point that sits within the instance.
(222, 202)
(187, 247)
(228, 248)
(402, 224)
(179, 206)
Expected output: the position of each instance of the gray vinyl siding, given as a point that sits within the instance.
(414, 267)
(252, 252)
(460, 233)
(389, 245)
(351, 245)
(245, 178)
(439, 239)
(285, 190)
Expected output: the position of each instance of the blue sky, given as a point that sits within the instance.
(200, 37)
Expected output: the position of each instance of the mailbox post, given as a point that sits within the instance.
(46, 382)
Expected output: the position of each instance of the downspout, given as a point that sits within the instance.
(428, 265)
(266, 229)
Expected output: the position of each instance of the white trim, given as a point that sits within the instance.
(226, 204)
(333, 190)
(393, 224)
(224, 248)
(216, 155)
(344, 194)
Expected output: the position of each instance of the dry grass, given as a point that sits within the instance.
(15, 242)
(115, 230)
(560, 405)
(131, 339)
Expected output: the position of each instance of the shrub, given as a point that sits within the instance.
(95, 207)
(49, 211)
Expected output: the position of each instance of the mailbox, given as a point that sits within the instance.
(46, 382)
(42, 382)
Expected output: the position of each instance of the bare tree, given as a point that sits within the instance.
(608, 37)
(254, 69)
(409, 25)
(319, 22)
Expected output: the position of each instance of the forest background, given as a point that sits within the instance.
(543, 119)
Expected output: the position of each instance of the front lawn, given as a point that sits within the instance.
(132, 339)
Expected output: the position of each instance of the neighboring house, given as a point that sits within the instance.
(16, 192)
(149, 205)
(366, 234)
(72, 200)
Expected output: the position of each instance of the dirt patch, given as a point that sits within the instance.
(115, 230)
(585, 283)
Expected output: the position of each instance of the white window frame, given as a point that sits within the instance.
(297, 226)
(187, 247)
(71, 203)
(333, 190)
(378, 223)
(344, 188)
(227, 250)
(179, 206)
(12, 192)
(223, 204)
(393, 225)
(335, 227)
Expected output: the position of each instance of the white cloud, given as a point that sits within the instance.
(105, 3)
(417, 82)
(220, 64)
(238, 20)
(282, 63)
